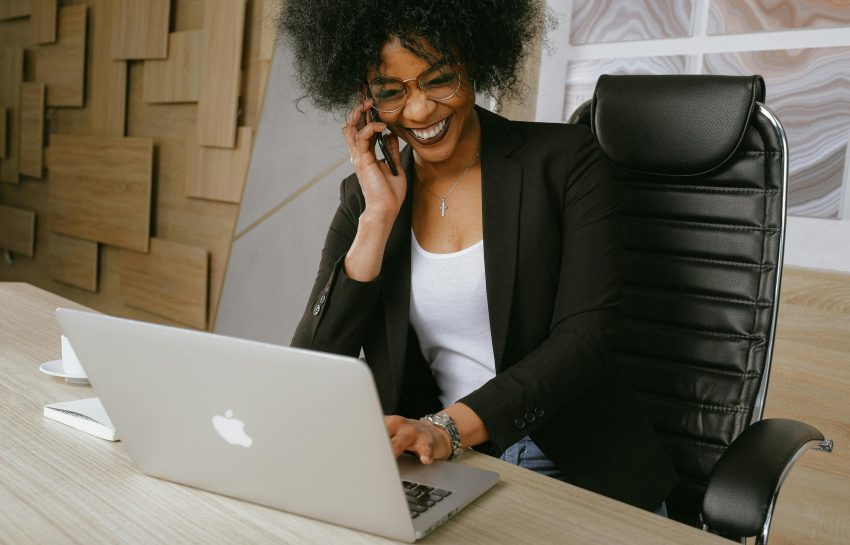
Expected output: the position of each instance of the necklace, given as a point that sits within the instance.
(443, 205)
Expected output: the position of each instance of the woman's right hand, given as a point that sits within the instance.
(384, 192)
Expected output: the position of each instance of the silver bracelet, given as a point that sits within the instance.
(444, 421)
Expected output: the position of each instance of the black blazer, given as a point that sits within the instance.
(552, 259)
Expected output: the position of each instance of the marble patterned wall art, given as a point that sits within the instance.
(582, 75)
(596, 21)
(809, 89)
(740, 16)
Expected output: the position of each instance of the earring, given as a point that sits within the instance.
(475, 86)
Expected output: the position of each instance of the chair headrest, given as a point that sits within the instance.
(674, 125)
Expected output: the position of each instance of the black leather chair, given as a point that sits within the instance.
(703, 166)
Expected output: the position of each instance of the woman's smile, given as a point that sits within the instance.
(432, 133)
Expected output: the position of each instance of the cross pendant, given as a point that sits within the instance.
(443, 208)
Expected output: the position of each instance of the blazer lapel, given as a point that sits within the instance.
(501, 193)
(396, 275)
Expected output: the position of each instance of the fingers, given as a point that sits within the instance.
(411, 436)
(359, 132)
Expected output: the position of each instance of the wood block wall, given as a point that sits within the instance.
(96, 100)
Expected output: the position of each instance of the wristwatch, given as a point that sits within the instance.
(442, 420)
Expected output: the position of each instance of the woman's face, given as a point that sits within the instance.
(435, 129)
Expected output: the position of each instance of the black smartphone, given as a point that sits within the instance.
(382, 143)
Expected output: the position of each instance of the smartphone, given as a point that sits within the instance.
(382, 143)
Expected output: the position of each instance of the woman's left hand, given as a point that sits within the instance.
(421, 438)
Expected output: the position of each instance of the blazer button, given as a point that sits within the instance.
(529, 417)
(322, 299)
(519, 423)
(539, 411)
(316, 310)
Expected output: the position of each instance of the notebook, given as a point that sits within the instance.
(87, 415)
(296, 430)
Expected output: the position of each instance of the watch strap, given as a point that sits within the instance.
(444, 421)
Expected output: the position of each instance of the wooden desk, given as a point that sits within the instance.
(59, 485)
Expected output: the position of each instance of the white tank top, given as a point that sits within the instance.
(448, 311)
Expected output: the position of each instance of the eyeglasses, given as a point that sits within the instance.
(440, 82)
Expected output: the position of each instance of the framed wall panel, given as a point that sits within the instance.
(140, 29)
(74, 261)
(62, 66)
(43, 21)
(218, 173)
(11, 77)
(17, 230)
(221, 43)
(809, 90)
(107, 77)
(176, 78)
(14, 9)
(739, 16)
(32, 129)
(100, 188)
(170, 281)
(597, 21)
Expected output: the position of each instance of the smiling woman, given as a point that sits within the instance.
(481, 276)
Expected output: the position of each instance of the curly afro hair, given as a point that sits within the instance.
(336, 42)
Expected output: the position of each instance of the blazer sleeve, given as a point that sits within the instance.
(575, 355)
(338, 309)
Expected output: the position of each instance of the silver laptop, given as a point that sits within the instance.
(292, 429)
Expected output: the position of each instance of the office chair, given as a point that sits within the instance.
(703, 167)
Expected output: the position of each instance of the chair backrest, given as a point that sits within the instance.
(703, 168)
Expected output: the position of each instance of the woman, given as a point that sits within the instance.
(481, 278)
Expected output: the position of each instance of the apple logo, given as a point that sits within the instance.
(232, 429)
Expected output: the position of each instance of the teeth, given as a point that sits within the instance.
(430, 132)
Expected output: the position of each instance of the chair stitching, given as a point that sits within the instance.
(690, 295)
(698, 332)
(699, 224)
(657, 362)
(697, 188)
(702, 260)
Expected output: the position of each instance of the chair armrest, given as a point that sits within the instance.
(743, 485)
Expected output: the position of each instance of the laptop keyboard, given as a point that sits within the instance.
(421, 497)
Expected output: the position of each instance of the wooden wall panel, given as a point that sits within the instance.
(268, 28)
(32, 129)
(61, 66)
(17, 230)
(176, 79)
(74, 261)
(140, 29)
(114, 106)
(11, 77)
(13, 9)
(224, 23)
(100, 188)
(218, 173)
(171, 281)
(43, 21)
(107, 90)
(3, 129)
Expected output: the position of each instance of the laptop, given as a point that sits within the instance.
(296, 430)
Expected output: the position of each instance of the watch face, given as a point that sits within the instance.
(442, 419)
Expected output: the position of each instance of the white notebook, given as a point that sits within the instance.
(87, 415)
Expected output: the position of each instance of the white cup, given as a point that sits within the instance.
(70, 362)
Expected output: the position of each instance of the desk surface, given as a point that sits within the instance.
(59, 485)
